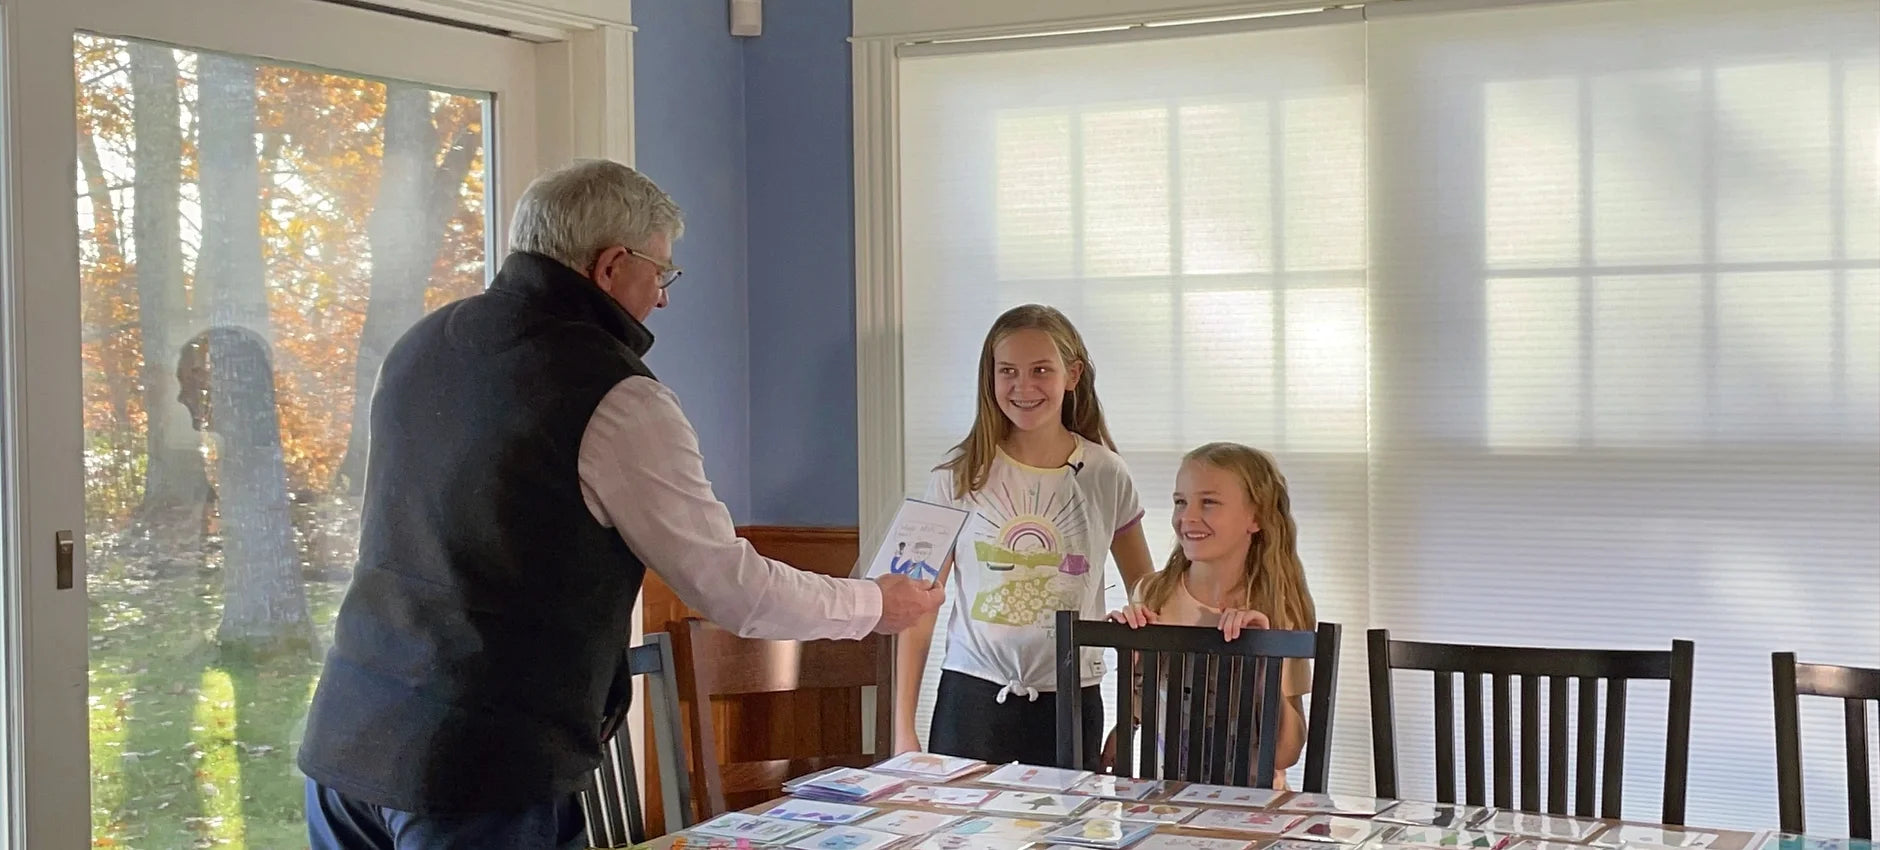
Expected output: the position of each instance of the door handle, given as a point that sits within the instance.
(63, 541)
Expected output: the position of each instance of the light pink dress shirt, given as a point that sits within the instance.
(642, 475)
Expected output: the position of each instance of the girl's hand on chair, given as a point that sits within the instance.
(1134, 616)
(1233, 620)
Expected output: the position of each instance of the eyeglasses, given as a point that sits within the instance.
(667, 271)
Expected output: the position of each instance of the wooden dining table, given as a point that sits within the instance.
(1727, 839)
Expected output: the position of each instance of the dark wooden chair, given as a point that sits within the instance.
(610, 804)
(1243, 676)
(1857, 686)
(717, 663)
(1529, 665)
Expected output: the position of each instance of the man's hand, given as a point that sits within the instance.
(904, 601)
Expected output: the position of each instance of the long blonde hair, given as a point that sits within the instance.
(1082, 413)
(1275, 581)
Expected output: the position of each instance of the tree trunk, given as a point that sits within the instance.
(264, 605)
(176, 484)
(417, 196)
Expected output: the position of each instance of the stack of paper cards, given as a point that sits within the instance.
(910, 822)
(1791, 841)
(1291, 844)
(1035, 778)
(1329, 804)
(752, 828)
(1117, 787)
(929, 766)
(845, 785)
(1099, 832)
(988, 826)
(1440, 837)
(1625, 834)
(1241, 820)
(845, 838)
(817, 811)
(944, 797)
(1033, 804)
(950, 841)
(1334, 830)
(1410, 813)
(1143, 812)
(1539, 844)
(1163, 841)
(700, 841)
(1226, 795)
(1540, 826)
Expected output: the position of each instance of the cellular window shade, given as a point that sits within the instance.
(1197, 207)
(1625, 294)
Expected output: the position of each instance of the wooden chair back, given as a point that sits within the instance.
(1856, 686)
(1236, 697)
(610, 804)
(1505, 666)
(717, 663)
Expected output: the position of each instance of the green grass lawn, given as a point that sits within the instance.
(187, 751)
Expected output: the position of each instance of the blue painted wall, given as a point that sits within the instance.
(689, 118)
(752, 137)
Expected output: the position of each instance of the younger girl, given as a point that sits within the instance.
(1049, 499)
(1237, 567)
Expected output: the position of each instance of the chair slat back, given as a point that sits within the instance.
(1855, 687)
(610, 804)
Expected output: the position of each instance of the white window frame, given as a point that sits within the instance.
(566, 70)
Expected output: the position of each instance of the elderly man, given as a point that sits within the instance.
(525, 470)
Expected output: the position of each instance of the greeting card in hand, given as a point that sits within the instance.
(1540, 826)
(1226, 795)
(1446, 839)
(1034, 805)
(760, 830)
(1164, 841)
(1035, 778)
(1334, 830)
(813, 811)
(944, 797)
(918, 542)
(930, 766)
(1334, 805)
(1624, 834)
(910, 822)
(1100, 832)
(1117, 787)
(845, 838)
(1240, 820)
(950, 841)
(1411, 813)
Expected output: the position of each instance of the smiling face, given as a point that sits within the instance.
(1030, 378)
(1214, 518)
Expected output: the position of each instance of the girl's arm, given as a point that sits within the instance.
(910, 664)
(1292, 734)
(1130, 549)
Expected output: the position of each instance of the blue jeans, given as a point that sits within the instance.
(338, 822)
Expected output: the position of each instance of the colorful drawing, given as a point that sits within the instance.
(1034, 804)
(845, 838)
(1332, 829)
(811, 811)
(1158, 812)
(929, 765)
(1117, 787)
(943, 797)
(1033, 777)
(1163, 841)
(1226, 795)
(999, 827)
(910, 822)
(1334, 804)
(759, 829)
(1099, 832)
(1243, 821)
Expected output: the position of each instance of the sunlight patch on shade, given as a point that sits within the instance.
(1533, 363)
(1532, 154)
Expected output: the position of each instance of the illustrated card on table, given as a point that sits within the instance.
(1335, 830)
(698, 841)
(1624, 834)
(949, 841)
(1165, 841)
(1448, 839)
(758, 829)
(990, 826)
(1791, 841)
(845, 838)
(1226, 795)
(1540, 844)
(814, 811)
(1334, 805)
(1540, 826)
(1117, 787)
(1241, 820)
(1143, 812)
(1100, 832)
(943, 796)
(1294, 844)
(1033, 804)
(931, 766)
(910, 822)
(1035, 778)
(918, 542)
(1412, 813)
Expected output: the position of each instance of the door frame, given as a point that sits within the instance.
(559, 93)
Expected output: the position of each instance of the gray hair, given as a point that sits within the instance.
(579, 210)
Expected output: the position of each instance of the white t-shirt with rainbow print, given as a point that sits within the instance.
(1038, 541)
